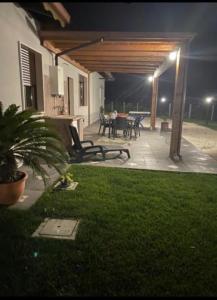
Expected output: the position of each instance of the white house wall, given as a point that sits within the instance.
(14, 29)
(97, 92)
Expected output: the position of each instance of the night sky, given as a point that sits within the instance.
(200, 18)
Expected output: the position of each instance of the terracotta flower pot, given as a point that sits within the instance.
(11, 192)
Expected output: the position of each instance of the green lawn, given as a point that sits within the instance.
(142, 233)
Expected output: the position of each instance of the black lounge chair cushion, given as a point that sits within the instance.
(106, 149)
(82, 151)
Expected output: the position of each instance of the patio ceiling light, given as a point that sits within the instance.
(163, 99)
(172, 55)
(150, 78)
(209, 99)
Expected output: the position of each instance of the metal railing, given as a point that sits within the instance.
(125, 106)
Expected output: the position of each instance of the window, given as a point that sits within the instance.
(83, 90)
(31, 72)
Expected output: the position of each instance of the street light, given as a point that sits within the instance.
(209, 101)
(163, 99)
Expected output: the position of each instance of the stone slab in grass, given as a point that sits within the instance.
(57, 229)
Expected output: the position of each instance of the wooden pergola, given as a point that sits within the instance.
(134, 53)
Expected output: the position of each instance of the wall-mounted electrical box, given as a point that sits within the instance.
(56, 81)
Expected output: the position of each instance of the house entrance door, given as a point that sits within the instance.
(70, 96)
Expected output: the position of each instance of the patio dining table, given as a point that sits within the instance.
(111, 121)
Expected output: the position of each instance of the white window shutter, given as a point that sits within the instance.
(25, 67)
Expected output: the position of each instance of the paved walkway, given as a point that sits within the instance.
(34, 188)
(151, 151)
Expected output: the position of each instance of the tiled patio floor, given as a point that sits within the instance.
(151, 151)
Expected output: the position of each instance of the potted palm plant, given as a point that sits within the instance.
(25, 136)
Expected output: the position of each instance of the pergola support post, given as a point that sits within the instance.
(88, 97)
(178, 103)
(154, 102)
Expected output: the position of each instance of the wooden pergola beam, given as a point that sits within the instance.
(118, 59)
(117, 63)
(50, 47)
(118, 53)
(120, 47)
(118, 42)
(122, 70)
(119, 70)
(86, 36)
(122, 66)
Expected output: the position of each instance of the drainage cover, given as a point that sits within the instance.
(57, 228)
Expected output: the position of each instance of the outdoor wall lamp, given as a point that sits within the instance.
(172, 55)
(150, 78)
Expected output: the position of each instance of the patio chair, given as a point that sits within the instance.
(80, 151)
(135, 126)
(120, 123)
(104, 123)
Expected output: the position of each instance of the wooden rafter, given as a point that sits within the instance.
(86, 36)
(120, 70)
(113, 69)
(50, 47)
(120, 51)
(119, 63)
(121, 67)
(121, 46)
(114, 58)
